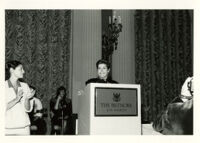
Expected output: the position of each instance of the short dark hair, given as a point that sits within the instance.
(11, 64)
(32, 87)
(60, 89)
(103, 62)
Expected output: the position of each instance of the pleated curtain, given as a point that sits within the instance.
(40, 39)
(164, 56)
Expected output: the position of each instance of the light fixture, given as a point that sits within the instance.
(110, 39)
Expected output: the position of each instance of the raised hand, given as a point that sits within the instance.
(80, 92)
(59, 98)
(32, 93)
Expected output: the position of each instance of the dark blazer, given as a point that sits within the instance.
(177, 119)
(97, 80)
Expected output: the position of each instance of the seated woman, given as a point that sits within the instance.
(177, 119)
(103, 70)
(61, 111)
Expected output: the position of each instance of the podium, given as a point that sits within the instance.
(110, 109)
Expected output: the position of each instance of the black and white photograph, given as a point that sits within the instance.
(104, 71)
(71, 72)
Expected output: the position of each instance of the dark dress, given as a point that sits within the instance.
(98, 80)
(64, 110)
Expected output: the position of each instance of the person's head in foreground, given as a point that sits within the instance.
(33, 90)
(187, 90)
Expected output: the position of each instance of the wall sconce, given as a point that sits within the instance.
(115, 27)
(110, 40)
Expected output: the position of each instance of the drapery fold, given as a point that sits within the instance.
(40, 39)
(164, 56)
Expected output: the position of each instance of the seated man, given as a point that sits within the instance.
(177, 119)
(38, 124)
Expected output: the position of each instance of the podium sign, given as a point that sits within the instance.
(116, 101)
(106, 109)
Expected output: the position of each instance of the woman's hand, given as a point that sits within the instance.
(32, 94)
(59, 98)
(80, 92)
(57, 102)
(15, 100)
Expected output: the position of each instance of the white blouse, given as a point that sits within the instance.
(17, 116)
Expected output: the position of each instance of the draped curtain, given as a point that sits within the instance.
(40, 39)
(164, 56)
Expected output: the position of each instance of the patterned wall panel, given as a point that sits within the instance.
(40, 39)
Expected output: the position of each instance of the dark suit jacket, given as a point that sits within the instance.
(97, 80)
(177, 119)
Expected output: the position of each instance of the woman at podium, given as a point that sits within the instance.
(103, 70)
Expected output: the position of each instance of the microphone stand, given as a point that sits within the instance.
(62, 131)
(62, 123)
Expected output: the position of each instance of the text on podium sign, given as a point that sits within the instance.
(116, 101)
